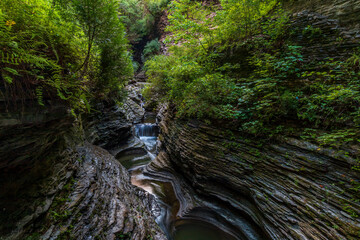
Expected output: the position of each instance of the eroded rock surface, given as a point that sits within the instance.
(284, 188)
(53, 186)
(108, 126)
(289, 188)
(35, 162)
(347, 11)
(101, 203)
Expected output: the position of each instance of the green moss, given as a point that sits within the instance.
(281, 87)
(66, 234)
(123, 236)
(312, 34)
(34, 236)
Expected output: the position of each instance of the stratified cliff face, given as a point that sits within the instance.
(99, 202)
(285, 188)
(290, 189)
(35, 159)
(55, 185)
(346, 11)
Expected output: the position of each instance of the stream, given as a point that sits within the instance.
(200, 223)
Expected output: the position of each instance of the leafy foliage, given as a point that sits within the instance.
(30, 57)
(102, 26)
(236, 61)
(45, 54)
(139, 16)
(151, 48)
(191, 74)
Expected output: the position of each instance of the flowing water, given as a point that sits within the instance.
(148, 133)
(195, 226)
(140, 150)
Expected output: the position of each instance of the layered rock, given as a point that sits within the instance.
(99, 202)
(55, 186)
(322, 37)
(283, 188)
(107, 126)
(110, 124)
(347, 11)
(288, 188)
(34, 162)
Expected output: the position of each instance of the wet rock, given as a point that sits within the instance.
(133, 106)
(288, 188)
(35, 159)
(107, 127)
(52, 188)
(347, 12)
(101, 203)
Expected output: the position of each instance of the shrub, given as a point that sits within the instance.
(38, 51)
(139, 17)
(264, 87)
(60, 50)
(151, 49)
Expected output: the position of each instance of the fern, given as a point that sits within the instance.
(43, 44)
(11, 70)
(39, 95)
(7, 78)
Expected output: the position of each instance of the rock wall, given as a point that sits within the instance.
(99, 202)
(54, 185)
(291, 189)
(285, 188)
(346, 11)
(32, 150)
(110, 125)
(322, 37)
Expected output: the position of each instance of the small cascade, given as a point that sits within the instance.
(148, 133)
(146, 130)
(142, 149)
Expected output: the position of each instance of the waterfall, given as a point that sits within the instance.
(146, 130)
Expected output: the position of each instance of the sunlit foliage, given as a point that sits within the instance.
(59, 50)
(235, 61)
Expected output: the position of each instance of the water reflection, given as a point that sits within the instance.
(196, 230)
(176, 227)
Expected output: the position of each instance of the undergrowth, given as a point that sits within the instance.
(237, 62)
(63, 50)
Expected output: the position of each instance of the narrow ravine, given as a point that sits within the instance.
(179, 120)
(177, 216)
(168, 218)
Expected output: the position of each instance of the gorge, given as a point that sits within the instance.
(260, 142)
